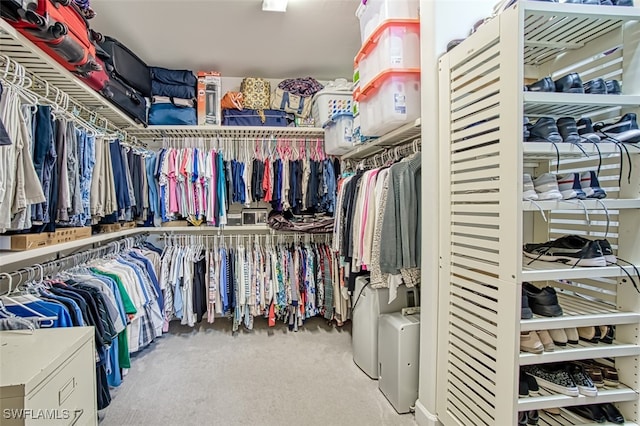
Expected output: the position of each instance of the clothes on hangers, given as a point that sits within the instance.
(377, 224)
(286, 282)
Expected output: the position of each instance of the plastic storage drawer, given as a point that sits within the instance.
(338, 135)
(375, 12)
(328, 104)
(398, 357)
(395, 44)
(371, 302)
(389, 101)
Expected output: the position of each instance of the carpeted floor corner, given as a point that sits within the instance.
(208, 376)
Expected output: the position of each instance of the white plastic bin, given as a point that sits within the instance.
(391, 100)
(338, 135)
(395, 44)
(372, 13)
(328, 104)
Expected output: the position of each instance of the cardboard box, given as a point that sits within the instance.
(26, 241)
(209, 96)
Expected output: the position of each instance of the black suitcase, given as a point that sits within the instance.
(15, 10)
(127, 99)
(125, 64)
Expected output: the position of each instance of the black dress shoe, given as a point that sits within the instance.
(596, 87)
(612, 414)
(613, 87)
(585, 129)
(545, 130)
(570, 83)
(568, 129)
(591, 412)
(544, 85)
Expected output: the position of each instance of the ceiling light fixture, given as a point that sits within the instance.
(274, 5)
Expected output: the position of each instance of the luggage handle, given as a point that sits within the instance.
(171, 98)
(133, 97)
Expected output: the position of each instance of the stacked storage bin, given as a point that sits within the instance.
(333, 110)
(388, 65)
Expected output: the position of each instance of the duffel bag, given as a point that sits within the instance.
(250, 117)
(176, 77)
(172, 112)
(172, 90)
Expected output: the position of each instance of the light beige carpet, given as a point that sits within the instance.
(207, 376)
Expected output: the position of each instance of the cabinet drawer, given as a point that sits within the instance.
(69, 393)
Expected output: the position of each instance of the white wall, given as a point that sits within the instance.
(440, 22)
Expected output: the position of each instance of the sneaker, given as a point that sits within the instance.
(533, 417)
(607, 251)
(544, 130)
(522, 418)
(546, 185)
(613, 87)
(572, 335)
(590, 254)
(591, 186)
(585, 130)
(553, 378)
(595, 373)
(570, 83)
(528, 189)
(570, 186)
(543, 301)
(523, 386)
(559, 337)
(568, 129)
(624, 130)
(525, 311)
(544, 85)
(582, 380)
(596, 86)
(547, 341)
(529, 342)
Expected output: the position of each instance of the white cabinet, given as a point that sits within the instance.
(48, 377)
(484, 221)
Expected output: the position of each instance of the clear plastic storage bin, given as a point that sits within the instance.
(391, 100)
(328, 104)
(338, 135)
(395, 44)
(372, 13)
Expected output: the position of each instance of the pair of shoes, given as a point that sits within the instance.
(527, 385)
(543, 301)
(536, 342)
(572, 250)
(552, 187)
(598, 86)
(570, 83)
(602, 333)
(624, 130)
(546, 129)
(606, 376)
(568, 379)
(564, 336)
(599, 413)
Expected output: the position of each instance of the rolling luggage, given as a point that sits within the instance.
(127, 100)
(58, 28)
(126, 65)
(14, 10)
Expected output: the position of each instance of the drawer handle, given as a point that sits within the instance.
(65, 392)
(77, 413)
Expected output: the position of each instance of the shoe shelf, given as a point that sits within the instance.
(543, 271)
(552, 28)
(567, 418)
(582, 350)
(549, 104)
(401, 135)
(20, 49)
(561, 205)
(159, 132)
(546, 150)
(549, 399)
(580, 312)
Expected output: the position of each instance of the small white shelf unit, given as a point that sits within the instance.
(402, 135)
(484, 222)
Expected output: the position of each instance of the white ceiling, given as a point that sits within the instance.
(317, 38)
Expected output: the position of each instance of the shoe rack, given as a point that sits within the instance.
(484, 221)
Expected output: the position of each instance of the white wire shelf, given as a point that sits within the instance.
(9, 258)
(37, 62)
(561, 205)
(582, 350)
(546, 150)
(580, 312)
(401, 135)
(542, 271)
(551, 28)
(567, 418)
(208, 229)
(552, 400)
(551, 104)
(209, 131)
